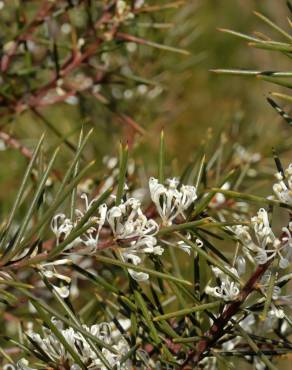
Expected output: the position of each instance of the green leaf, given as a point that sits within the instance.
(275, 81)
(161, 159)
(206, 199)
(239, 34)
(187, 311)
(270, 289)
(142, 269)
(282, 96)
(96, 280)
(200, 171)
(147, 316)
(272, 45)
(153, 44)
(75, 173)
(52, 209)
(184, 226)
(274, 26)
(21, 190)
(235, 72)
(250, 198)
(17, 245)
(122, 173)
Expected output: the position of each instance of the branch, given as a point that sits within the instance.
(15, 144)
(217, 329)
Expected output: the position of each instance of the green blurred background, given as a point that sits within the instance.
(183, 97)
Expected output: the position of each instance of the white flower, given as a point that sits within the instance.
(274, 249)
(135, 233)
(267, 246)
(283, 188)
(63, 226)
(209, 363)
(262, 228)
(63, 291)
(228, 290)
(22, 364)
(170, 201)
(264, 285)
(241, 265)
(219, 198)
(242, 233)
(50, 272)
(272, 318)
(138, 275)
(123, 11)
(242, 155)
(127, 221)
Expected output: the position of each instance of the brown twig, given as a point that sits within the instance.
(15, 144)
(39, 18)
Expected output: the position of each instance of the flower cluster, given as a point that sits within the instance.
(62, 226)
(266, 245)
(171, 201)
(283, 187)
(58, 354)
(132, 230)
(135, 232)
(228, 289)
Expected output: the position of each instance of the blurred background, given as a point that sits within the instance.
(144, 85)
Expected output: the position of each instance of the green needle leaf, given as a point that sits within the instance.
(142, 269)
(122, 173)
(21, 190)
(16, 245)
(187, 311)
(273, 25)
(146, 315)
(161, 159)
(250, 198)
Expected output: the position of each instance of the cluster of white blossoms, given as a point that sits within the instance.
(132, 230)
(260, 249)
(278, 299)
(283, 188)
(228, 289)
(170, 201)
(62, 226)
(58, 354)
(266, 245)
(135, 233)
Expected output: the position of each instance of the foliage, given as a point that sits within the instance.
(135, 263)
